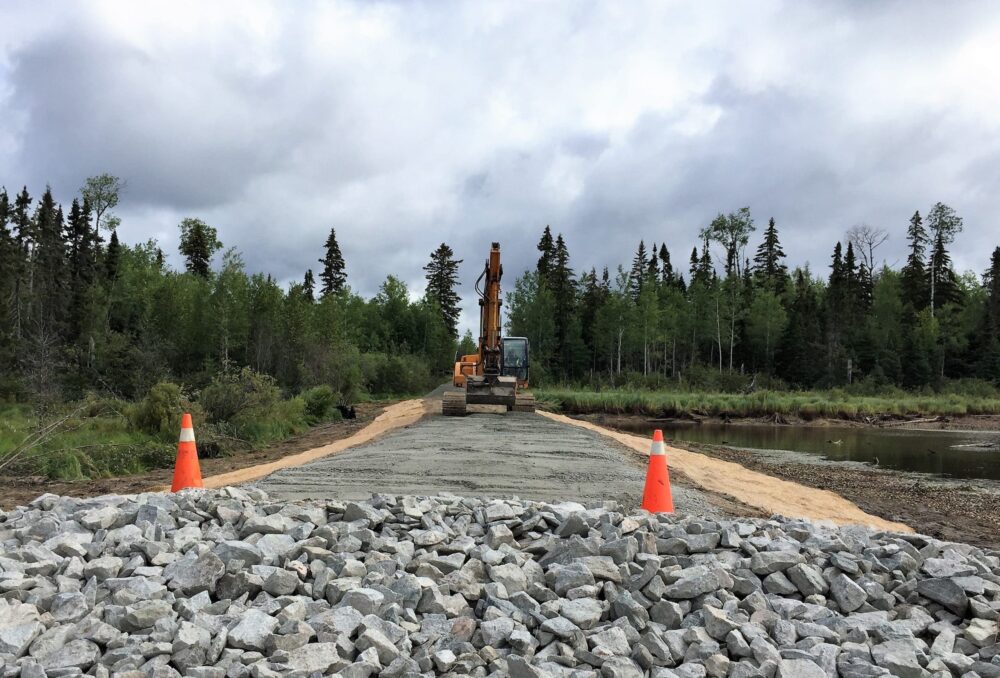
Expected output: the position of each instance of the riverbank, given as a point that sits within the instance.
(950, 509)
(947, 508)
(814, 407)
(968, 422)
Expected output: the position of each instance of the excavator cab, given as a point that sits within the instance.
(515, 359)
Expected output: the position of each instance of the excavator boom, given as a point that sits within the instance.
(492, 375)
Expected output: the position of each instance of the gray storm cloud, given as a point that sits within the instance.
(404, 125)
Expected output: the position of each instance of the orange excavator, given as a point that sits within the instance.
(497, 373)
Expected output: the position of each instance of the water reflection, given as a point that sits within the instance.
(905, 450)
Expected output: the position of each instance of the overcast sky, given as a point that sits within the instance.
(407, 124)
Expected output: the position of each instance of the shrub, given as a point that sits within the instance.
(396, 375)
(238, 397)
(319, 403)
(159, 413)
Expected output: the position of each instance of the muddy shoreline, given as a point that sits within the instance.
(969, 422)
(953, 509)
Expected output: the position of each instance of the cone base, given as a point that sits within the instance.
(187, 471)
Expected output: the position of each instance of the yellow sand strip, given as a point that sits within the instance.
(765, 492)
(395, 416)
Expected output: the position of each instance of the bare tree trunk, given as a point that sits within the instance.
(718, 329)
(621, 331)
(933, 266)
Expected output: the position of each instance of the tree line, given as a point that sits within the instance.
(82, 311)
(729, 315)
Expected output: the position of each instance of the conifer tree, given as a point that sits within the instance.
(769, 266)
(48, 264)
(333, 274)
(309, 286)
(914, 273)
(666, 269)
(199, 243)
(943, 281)
(638, 273)
(545, 262)
(653, 266)
(943, 225)
(112, 257)
(442, 279)
(986, 343)
(9, 264)
(801, 342)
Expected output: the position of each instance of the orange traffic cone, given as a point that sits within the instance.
(656, 497)
(187, 472)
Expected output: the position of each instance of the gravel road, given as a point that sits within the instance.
(482, 455)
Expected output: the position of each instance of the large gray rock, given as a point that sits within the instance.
(315, 657)
(701, 581)
(252, 631)
(766, 562)
(15, 639)
(847, 593)
(946, 592)
(80, 654)
(584, 612)
(193, 576)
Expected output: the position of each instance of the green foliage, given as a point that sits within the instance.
(159, 413)
(808, 404)
(319, 402)
(391, 374)
(240, 397)
(442, 279)
(199, 243)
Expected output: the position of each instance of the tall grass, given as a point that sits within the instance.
(97, 440)
(833, 404)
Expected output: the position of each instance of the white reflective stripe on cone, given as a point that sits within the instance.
(658, 449)
(187, 435)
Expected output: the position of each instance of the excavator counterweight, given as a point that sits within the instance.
(498, 372)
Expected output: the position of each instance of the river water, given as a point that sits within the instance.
(956, 454)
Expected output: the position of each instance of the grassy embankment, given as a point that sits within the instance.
(100, 438)
(832, 404)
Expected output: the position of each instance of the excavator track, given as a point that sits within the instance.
(524, 402)
(453, 404)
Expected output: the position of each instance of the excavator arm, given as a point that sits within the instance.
(483, 375)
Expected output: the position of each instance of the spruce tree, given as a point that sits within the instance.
(333, 274)
(943, 225)
(653, 267)
(666, 269)
(637, 275)
(442, 279)
(802, 340)
(49, 279)
(914, 273)
(769, 266)
(545, 262)
(9, 265)
(942, 278)
(199, 243)
(112, 257)
(569, 341)
(309, 286)
(986, 342)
